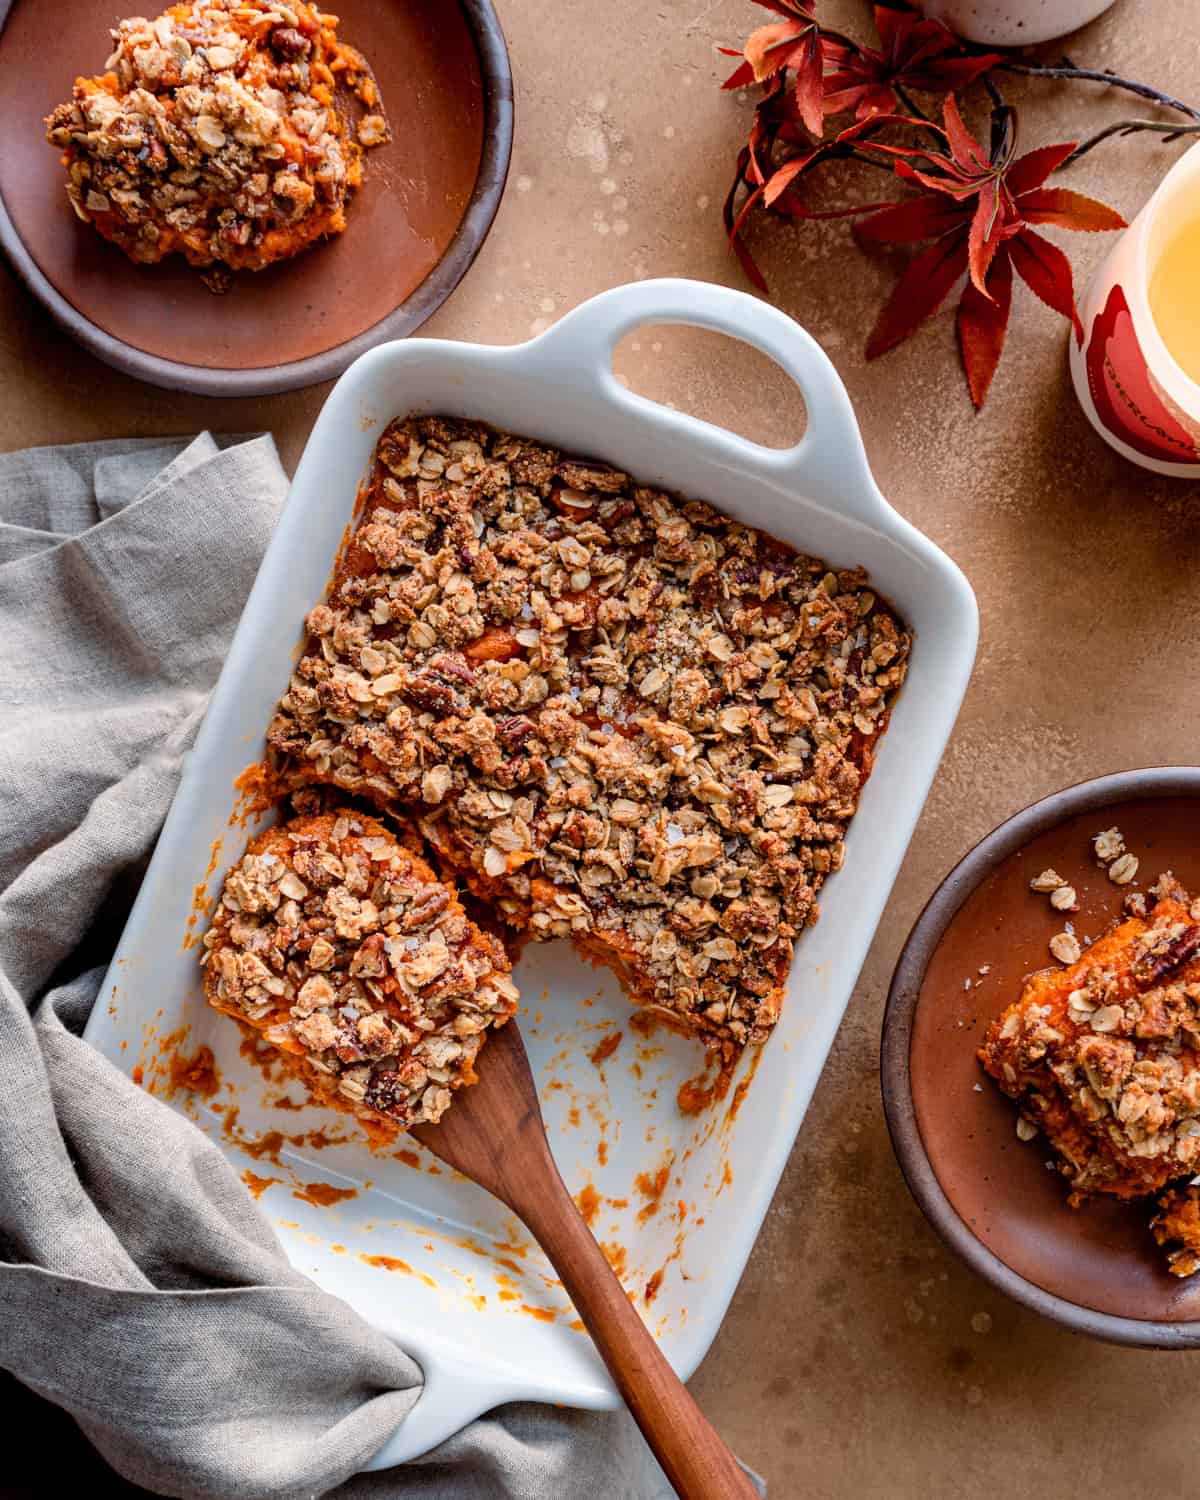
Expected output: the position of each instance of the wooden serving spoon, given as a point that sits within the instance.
(494, 1134)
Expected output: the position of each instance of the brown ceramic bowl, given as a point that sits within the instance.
(1096, 1270)
(427, 204)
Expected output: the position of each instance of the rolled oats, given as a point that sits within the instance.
(1108, 845)
(1123, 869)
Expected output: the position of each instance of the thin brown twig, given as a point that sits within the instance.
(1168, 130)
(1093, 75)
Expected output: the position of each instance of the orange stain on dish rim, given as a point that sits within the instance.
(726, 1178)
(542, 1314)
(390, 1263)
(588, 1201)
(323, 1194)
(338, 1249)
(654, 1282)
(158, 1069)
(743, 1088)
(573, 1116)
(258, 1185)
(602, 1153)
(257, 791)
(202, 903)
(409, 1158)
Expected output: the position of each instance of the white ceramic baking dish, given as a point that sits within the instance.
(467, 1294)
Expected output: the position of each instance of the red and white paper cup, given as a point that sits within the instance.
(1140, 401)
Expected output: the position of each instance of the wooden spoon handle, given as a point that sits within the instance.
(693, 1456)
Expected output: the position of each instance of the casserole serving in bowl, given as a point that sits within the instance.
(430, 194)
(676, 1198)
(996, 1189)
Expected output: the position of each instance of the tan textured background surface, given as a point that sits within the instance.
(859, 1359)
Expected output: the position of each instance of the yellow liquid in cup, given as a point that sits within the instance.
(1175, 298)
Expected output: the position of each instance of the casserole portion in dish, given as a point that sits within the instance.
(345, 952)
(214, 132)
(618, 715)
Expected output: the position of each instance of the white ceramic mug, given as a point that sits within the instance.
(1013, 23)
(1134, 393)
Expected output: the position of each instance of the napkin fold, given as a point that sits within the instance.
(140, 1287)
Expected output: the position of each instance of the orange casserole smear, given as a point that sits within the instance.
(215, 133)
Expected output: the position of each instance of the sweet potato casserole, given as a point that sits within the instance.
(213, 132)
(347, 954)
(1104, 1057)
(617, 715)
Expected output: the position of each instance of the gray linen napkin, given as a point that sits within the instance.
(140, 1287)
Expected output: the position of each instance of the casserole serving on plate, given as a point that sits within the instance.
(677, 1199)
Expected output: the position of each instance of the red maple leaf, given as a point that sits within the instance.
(917, 53)
(979, 214)
(794, 42)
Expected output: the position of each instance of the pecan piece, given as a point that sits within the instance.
(1173, 955)
(289, 42)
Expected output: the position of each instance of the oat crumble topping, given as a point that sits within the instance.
(620, 716)
(347, 954)
(213, 132)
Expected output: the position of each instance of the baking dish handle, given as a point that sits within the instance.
(829, 462)
(454, 1393)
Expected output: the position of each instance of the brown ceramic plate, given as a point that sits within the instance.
(1096, 1270)
(415, 226)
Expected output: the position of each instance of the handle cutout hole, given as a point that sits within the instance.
(715, 378)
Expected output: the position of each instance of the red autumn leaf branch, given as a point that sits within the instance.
(975, 206)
